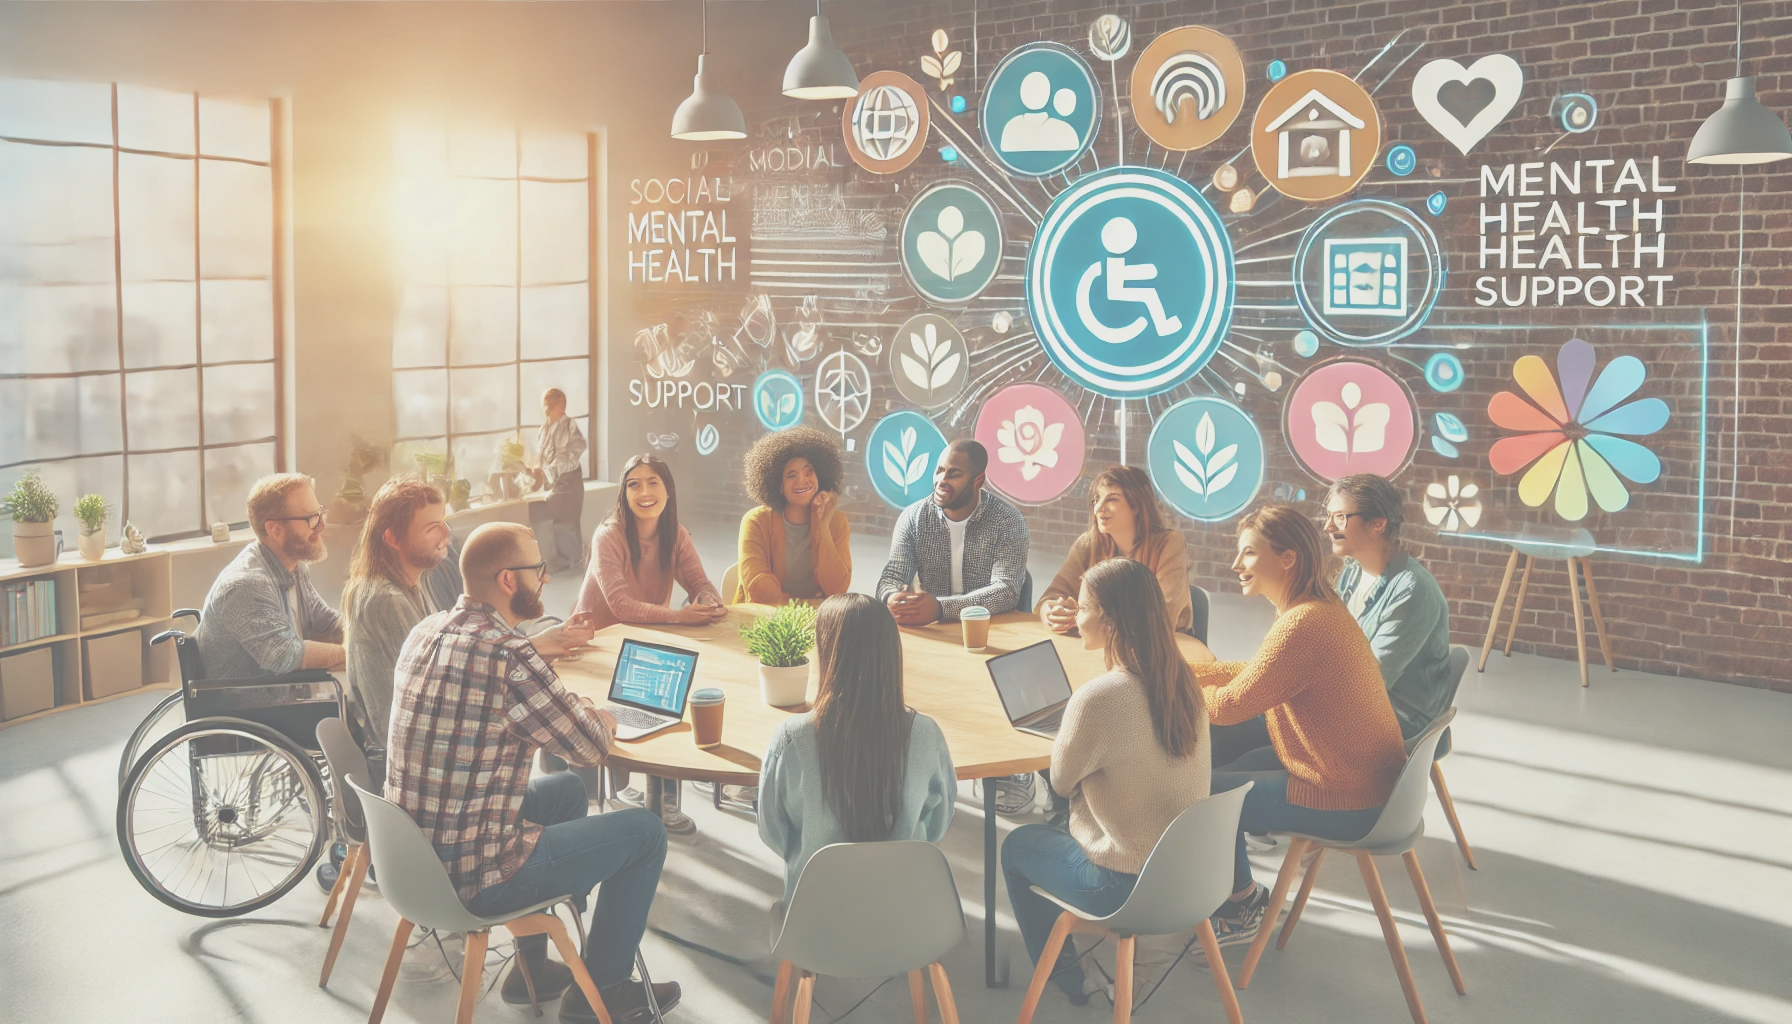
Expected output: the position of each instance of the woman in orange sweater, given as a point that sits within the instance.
(796, 544)
(1335, 746)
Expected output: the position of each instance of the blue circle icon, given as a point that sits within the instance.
(1436, 203)
(1040, 109)
(1306, 344)
(900, 455)
(1367, 272)
(1278, 70)
(1206, 457)
(1129, 281)
(951, 242)
(1443, 372)
(1402, 160)
(778, 399)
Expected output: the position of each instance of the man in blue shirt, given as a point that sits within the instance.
(968, 547)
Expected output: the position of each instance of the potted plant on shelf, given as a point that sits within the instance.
(782, 642)
(91, 510)
(32, 508)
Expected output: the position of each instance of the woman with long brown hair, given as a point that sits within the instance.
(1124, 522)
(861, 767)
(1131, 755)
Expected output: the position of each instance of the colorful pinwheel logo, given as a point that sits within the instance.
(1566, 432)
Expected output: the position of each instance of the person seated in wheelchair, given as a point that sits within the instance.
(473, 700)
(263, 616)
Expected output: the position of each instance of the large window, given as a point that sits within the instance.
(139, 337)
(494, 244)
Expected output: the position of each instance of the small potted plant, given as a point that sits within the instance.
(32, 508)
(91, 510)
(782, 642)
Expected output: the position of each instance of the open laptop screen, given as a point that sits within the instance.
(1029, 680)
(653, 677)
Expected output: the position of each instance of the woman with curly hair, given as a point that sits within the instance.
(796, 544)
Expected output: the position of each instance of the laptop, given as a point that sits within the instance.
(1033, 688)
(649, 687)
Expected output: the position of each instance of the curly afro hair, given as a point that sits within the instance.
(765, 462)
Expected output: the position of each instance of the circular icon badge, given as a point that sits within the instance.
(1187, 88)
(1443, 372)
(1349, 416)
(900, 455)
(1040, 110)
(778, 399)
(842, 390)
(951, 243)
(1315, 135)
(929, 360)
(886, 126)
(1036, 442)
(1206, 457)
(1367, 272)
(1129, 281)
(708, 438)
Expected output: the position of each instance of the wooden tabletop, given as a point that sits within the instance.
(941, 680)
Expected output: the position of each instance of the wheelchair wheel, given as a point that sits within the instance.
(221, 817)
(168, 714)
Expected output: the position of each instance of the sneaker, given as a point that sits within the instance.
(626, 1001)
(678, 823)
(1014, 795)
(1237, 921)
(631, 797)
(745, 798)
(551, 978)
(1259, 842)
(327, 873)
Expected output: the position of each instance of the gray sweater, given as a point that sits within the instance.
(795, 819)
(379, 619)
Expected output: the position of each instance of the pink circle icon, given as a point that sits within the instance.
(1035, 440)
(1350, 416)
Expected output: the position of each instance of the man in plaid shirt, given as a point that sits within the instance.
(474, 699)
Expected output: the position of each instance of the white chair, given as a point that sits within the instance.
(730, 583)
(870, 910)
(1186, 878)
(345, 759)
(1396, 831)
(414, 882)
(1459, 657)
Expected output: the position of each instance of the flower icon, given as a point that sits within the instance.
(1030, 441)
(1566, 432)
(934, 361)
(1452, 505)
(1349, 429)
(951, 251)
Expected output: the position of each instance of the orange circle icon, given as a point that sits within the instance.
(886, 124)
(1315, 135)
(1187, 88)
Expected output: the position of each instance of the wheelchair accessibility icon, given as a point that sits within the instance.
(1129, 282)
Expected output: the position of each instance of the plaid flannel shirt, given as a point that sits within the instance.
(995, 556)
(473, 701)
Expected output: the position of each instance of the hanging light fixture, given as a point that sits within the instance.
(819, 71)
(708, 113)
(1742, 131)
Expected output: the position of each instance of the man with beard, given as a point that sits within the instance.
(468, 684)
(967, 547)
(263, 617)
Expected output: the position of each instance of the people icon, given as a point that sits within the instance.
(1037, 131)
(1118, 236)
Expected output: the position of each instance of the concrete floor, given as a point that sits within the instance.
(1632, 838)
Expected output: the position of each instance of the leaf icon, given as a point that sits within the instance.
(1370, 432)
(917, 468)
(1218, 462)
(914, 370)
(908, 441)
(1189, 469)
(1331, 427)
(967, 252)
(1204, 434)
(939, 40)
(1206, 477)
(1222, 478)
(786, 405)
(765, 405)
(943, 372)
(893, 465)
(931, 65)
(950, 64)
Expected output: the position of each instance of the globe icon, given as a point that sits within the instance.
(885, 121)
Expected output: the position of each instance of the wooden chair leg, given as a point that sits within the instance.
(917, 993)
(355, 870)
(1391, 933)
(781, 993)
(1443, 797)
(805, 997)
(1524, 587)
(942, 993)
(556, 930)
(1284, 879)
(1493, 624)
(1123, 953)
(1048, 959)
(1411, 857)
(400, 938)
(336, 889)
(1605, 646)
(522, 964)
(1210, 945)
(1580, 626)
(1300, 901)
(472, 977)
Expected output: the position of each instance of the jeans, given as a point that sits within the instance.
(624, 850)
(1053, 860)
(1231, 742)
(1266, 809)
(556, 523)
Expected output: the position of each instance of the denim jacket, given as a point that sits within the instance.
(1408, 625)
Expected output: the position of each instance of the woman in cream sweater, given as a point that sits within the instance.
(1131, 756)
(796, 544)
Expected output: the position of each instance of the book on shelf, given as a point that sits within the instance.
(27, 612)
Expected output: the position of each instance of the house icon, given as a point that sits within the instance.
(1313, 138)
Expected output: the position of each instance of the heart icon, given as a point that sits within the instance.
(1465, 104)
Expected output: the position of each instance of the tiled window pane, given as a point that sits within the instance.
(404, 453)
(556, 321)
(58, 328)
(229, 473)
(55, 214)
(56, 417)
(420, 398)
(162, 408)
(476, 456)
(482, 325)
(234, 128)
(155, 119)
(420, 330)
(56, 111)
(158, 324)
(236, 320)
(239, 402)
(236, 219)
(556, 155)
(421, 215)
(164, 493)
(555, 232)
(571, 376)
(482, 399)
(482, 236)
(155, 218)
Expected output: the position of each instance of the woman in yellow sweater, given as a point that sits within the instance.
(1335, 746)
(796, 544)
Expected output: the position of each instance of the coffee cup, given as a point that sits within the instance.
(974, 620)
(706, 716)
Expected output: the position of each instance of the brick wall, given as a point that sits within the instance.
(1657, 69)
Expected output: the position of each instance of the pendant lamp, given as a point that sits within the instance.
(708, 113)
(819, 71)
(1742, 131)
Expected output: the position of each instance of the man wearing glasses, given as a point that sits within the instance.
(263, 617)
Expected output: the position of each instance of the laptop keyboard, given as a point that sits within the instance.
(635, 717)
(1048, 723)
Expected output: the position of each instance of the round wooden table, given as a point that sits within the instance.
(940, 679)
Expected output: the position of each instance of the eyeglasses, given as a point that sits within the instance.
(312, 521)
(1340, 519)
(539, 568)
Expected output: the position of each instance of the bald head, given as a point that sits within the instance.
(490, 550)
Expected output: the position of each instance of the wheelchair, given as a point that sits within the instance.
(223, 804)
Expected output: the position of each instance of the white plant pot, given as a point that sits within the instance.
(92, 544)
(34, 543)
(784, 687)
